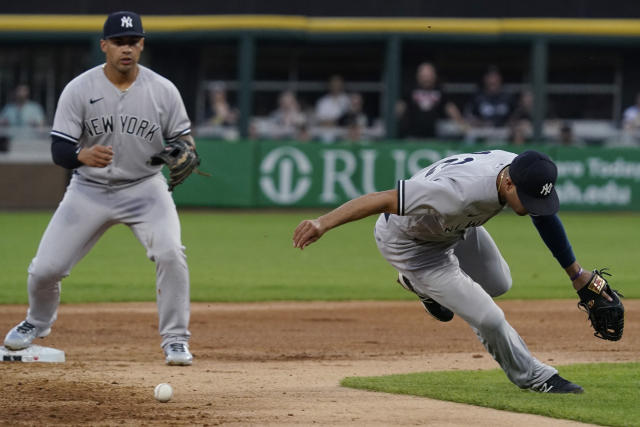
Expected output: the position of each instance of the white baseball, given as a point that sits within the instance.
(163, 392)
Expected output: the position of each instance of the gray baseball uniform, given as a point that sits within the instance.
(92, 111)
(437, 241)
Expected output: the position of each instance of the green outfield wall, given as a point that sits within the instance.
(283, 174)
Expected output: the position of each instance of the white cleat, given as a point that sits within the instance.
(177, 354)
(23, 335)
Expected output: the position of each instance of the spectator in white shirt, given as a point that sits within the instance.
(332, 106)
(631, 119)
(631, 125)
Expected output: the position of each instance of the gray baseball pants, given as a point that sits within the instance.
(84, 214)
(464, 276)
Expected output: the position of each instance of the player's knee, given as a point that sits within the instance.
(500, 279)
(492, 320)
(168, 255)
(502, 285)
(47, 271)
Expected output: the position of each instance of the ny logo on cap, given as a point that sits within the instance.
(546, 189)
(126, 22)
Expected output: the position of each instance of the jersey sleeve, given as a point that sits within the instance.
(178, 123)
(69, 117)
(554, 236)
(428, 197)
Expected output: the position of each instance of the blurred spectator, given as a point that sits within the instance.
(20, 117)
(520, 122)
(220, 111)
(354, 132)
(631, 124)
(288, 117)
(303, 134)
(567, 137)
(492, 106)
(287, 121)
(355, 120)
(331, 107)
(22, 112)
(424, 104)
(631, 116)
(355, 112)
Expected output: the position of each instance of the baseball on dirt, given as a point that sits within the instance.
(163, 392)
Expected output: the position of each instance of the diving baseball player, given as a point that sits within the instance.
(431, 232)
(109, 122)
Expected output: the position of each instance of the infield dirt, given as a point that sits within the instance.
(279, 363)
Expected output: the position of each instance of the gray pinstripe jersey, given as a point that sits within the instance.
(444, 199)
(92, 111)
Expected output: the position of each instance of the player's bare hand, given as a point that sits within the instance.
(307, 232)
(97, 156)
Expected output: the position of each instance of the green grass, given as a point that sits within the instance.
(612, 392)
(247, 256)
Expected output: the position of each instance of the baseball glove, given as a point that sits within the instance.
(607, 317)
(181, 158)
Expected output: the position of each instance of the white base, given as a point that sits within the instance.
(33, 353)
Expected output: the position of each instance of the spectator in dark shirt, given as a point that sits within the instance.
(355, 112)
(567, 137)
(520, 122)
(424, 105)
(492, 106)
(355, 119)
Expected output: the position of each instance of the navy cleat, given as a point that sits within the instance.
(557, 384)
(439, 312)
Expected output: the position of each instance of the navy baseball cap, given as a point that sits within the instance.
(534, 175)
(121, 24)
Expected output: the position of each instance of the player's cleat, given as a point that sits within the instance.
(177, 354)
(439, 312)
(557, 384)
(23, 335)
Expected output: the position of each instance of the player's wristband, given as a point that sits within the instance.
(574, 277)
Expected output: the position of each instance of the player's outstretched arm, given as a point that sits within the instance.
(555, 237)
(310, 230)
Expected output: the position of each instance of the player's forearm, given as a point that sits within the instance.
(310, 230)
(361, 207)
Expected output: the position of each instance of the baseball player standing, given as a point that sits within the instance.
(431, 233)
(109, 121)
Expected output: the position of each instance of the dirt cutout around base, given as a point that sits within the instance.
(279, 363)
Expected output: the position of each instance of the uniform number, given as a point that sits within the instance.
(453, 161)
